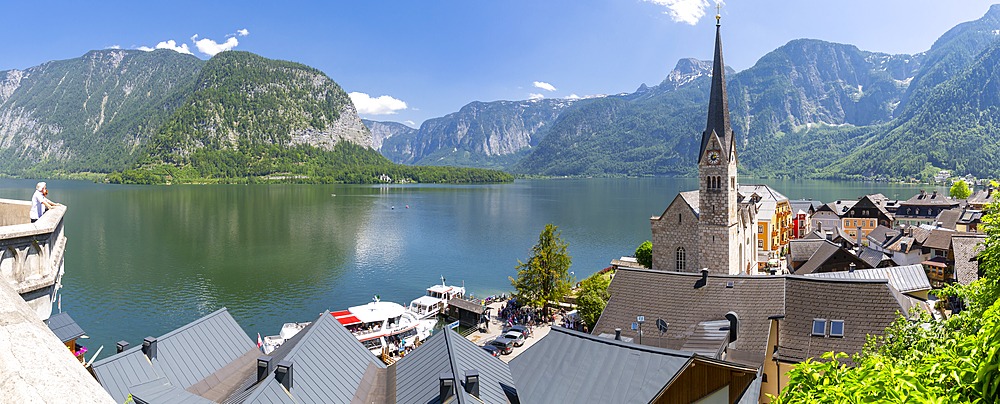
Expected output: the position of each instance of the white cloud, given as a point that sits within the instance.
(172, 45)
(211, 48)
(243, 32)
(410, 123)
(535, 96)
(686, 11)
(113, 47)
(573, 97)
(381, 105)
(543, 85)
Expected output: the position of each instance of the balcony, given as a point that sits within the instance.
(31, 254)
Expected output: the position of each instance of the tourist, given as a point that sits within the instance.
(39, 203)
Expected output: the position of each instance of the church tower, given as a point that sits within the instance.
(718, 232)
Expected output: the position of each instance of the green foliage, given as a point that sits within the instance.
(921, 360)
(959, 190)
(544, 278)
(644, 254)
(592, 298)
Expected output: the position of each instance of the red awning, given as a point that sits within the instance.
(340, 313)
(348, 320)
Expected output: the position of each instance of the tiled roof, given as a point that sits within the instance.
(939, 239)
(871, 256)
(906, 279)
(684, 300)
(693, 199)
(930, 199)
(184, 356)
(572, 367)
(967, 247)
(417, 374)
(882, 234)
(467, 305)
(948, 218)
(801, 249)
(64, 327)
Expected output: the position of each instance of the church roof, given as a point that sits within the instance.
(718, 106)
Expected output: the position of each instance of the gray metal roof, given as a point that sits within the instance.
(448, 352)
(63, 326)
(573, 367)
(328, 364)
(160, 391)
(906, 279)
(184, 356)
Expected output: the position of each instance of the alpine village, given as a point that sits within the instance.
(741, 294)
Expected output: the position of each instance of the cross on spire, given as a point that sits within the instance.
(718, 12)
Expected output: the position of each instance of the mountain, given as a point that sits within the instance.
(384, 130)
(481, 134)
(242, 100)
(93, 113)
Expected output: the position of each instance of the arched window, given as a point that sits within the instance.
(681, 259)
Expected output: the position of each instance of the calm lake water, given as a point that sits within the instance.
(143, 261)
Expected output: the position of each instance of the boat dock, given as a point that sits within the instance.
(495, 328)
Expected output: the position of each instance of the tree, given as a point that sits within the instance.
(644, 254)
(959, 190)
(545, 277)
(593, 297)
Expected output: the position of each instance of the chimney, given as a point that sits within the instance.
(283, 374)
(263, 367)
(472, 382)
(149, 347)
(852, 267)
(122, 346)
(447, 385)
(934, 195)
(704, 275)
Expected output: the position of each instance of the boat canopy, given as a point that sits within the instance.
(376, 311)
(345, 317)
(440, 289)
(426, 301)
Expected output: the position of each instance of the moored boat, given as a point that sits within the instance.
(436, 300)
(379, 325)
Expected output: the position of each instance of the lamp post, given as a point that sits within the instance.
(640, 320)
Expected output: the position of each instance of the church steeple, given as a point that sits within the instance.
(718, 104)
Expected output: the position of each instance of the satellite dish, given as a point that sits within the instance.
(662, 325)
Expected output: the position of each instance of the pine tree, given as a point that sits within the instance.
(545, 277)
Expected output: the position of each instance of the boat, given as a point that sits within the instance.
(378, 325)
(436, 300)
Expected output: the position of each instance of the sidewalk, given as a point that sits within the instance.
(482, 338)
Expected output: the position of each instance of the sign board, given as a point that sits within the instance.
(635, 326)
(662, 325)
(453, 325)
(640, 319)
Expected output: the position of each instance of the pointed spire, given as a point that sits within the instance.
(718, 102)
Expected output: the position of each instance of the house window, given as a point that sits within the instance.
(681, 261)
(760, 243)
(836, 328)
(760, 229)
(819, 327)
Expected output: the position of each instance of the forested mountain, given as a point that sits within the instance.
(93, 113)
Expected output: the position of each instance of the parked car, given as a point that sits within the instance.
(492, 350)
(516, 336)
(505, 345)
(519, 328)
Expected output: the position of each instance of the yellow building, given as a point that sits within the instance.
(774, 221)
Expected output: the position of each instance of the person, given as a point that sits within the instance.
(39, 203)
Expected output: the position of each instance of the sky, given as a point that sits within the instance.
(408, 61)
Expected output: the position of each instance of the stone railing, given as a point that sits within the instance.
(31, 254)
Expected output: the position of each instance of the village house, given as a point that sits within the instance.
(774, 224)
(923, 208)
(864, 216)
(802, 213)
(774, 321)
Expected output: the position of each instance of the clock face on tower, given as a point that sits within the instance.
(713, 157)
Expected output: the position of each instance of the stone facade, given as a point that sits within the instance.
(31, 254)
(675, 235)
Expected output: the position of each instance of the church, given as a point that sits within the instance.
(712, 227)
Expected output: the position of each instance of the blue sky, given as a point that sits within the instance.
(416, 60)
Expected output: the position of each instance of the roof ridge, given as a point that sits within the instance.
(308, 331)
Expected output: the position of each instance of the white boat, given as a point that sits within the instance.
(436, 300)
(384, 324)
(377, 325)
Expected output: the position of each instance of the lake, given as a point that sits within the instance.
(144, 260)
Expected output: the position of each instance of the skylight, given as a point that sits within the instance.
(836, 328)
(819, 327)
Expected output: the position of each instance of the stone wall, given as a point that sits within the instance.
(676, 227)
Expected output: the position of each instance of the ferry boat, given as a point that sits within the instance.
(378, 325)
(436, 300)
